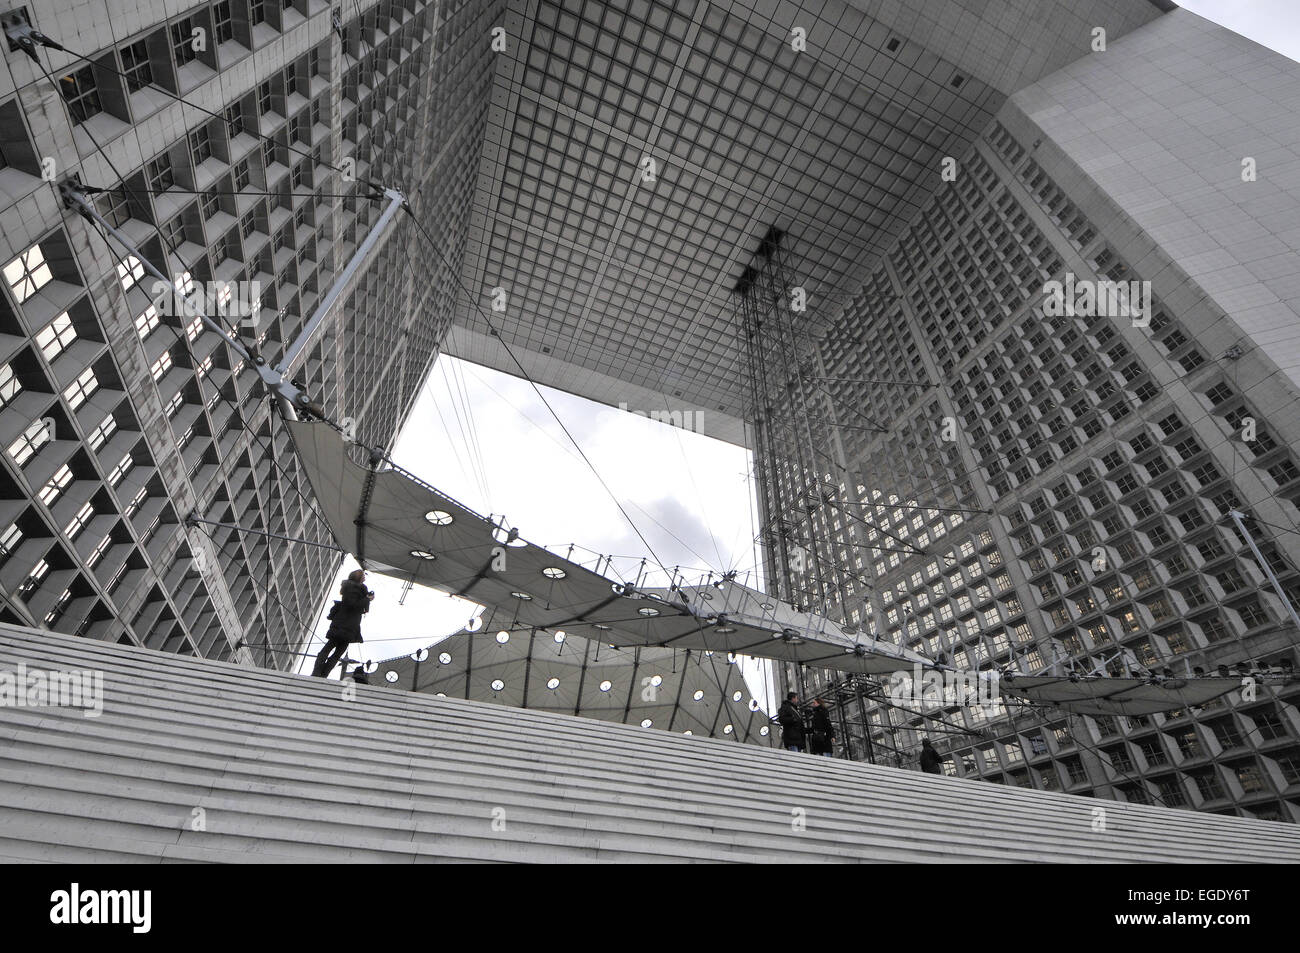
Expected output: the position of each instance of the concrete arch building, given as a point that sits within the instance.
(619, 168)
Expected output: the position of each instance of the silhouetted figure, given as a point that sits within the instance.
(359, 675)
(791, 721)
(345, 621)
(822, 741)
(931, 763)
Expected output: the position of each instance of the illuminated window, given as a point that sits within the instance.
(147, 322)
(102, 432)
(58, 483)
(56, 336)
(130, 271)
(161, 366)
(9, 385)
(29, 442)
(28, 273)
(79, 521)
(79, 391)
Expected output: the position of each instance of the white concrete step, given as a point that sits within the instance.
(285, 769)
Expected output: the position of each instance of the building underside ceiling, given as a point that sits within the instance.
(618, 287)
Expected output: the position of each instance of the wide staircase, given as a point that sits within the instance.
(193, 760)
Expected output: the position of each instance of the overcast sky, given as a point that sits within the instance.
(690, 495)
(1271, 23)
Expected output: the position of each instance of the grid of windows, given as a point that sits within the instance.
(1109, 503)
(212, 424)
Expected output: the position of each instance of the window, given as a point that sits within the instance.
(33, 580)
(101, 433)
(242, 176)
(136, 502)
(183, 41)
(136, 66)
(9, 385)
(122, 469)
(1268, 724)
(147, 322)
(1290, 764)
(29, 442)
(172, 233)
(97, 553)
(58, 483)
(225, 22)
(9, 540)
(78, 522)
(201, 145)
(1226, 733)
(1153, 751)
(161, 366)
(28, 273)
(159, 172)
(56, 336)
(1219, 393)
(265, 98)
(1249, 777)
(81, 94)
(257, 12)
(80, 390)
(130, 271)
(1074, 768)
(1284, 473)
(1208, 785)
(1251, 614)
(1171, 792)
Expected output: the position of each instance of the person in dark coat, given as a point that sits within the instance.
(791, 721)
(931, 763)
(345, 621)
(822, 741)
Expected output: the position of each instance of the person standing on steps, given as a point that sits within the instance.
(790, 719)
(345, 621)
(931, 763)
(823, 733)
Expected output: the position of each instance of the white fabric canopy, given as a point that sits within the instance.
(400, 526)
(1096, 695)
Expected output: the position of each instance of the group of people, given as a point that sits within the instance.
(816, 735)
(811, 730)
